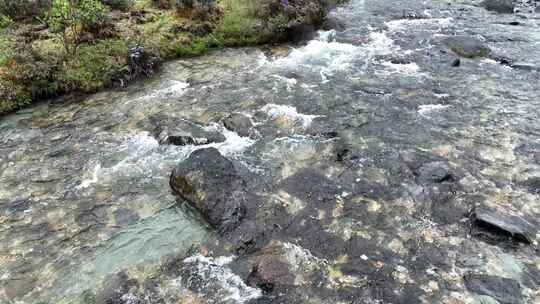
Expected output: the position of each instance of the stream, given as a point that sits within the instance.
(345, 126)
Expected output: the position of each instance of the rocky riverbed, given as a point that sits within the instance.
(395, 158)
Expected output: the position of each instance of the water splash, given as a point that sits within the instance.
(409, 69)
(220, 284)
(426, 110)
(435, 24)
(288, 113)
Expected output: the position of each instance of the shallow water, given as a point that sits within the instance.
(84, 184)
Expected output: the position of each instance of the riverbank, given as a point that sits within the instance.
(131, 40)
(392, 161)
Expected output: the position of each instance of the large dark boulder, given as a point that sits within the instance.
(210, 183)
(500, 6)
(467, 46)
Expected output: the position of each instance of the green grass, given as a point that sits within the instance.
(94, 67)
(41, 68)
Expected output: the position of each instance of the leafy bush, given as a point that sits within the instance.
(95, 67)
(21, 9)
(122, 5)
(23, 78)
(70, 19)
(241, 23)
(189, 8)
(5, 21)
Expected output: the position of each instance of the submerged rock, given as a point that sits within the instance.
(117, 288)
(467, 46)
(179, 132)
(332, 23)
(436, 172)
(500, 6)
(505, 224)
(281, 265)
(525, 66)
(210, 183)
(238, 123)
(505, 291)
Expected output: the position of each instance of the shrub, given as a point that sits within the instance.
(122, 5)
(241, 23)
(23, 77)
(70, 19)
(21, 9)
(5, 21)
(95, 67)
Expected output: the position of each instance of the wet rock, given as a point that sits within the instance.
(311, 234)
(533, 185)
(332, 23)
(210, 183)
(504, 224)
(281, 265)
(17, 287)
(467, 46)
(176, 131)
(435, 172)
(505, 291)
(125, 216)
(214, 279)
(269, 272)
(16, 209)
(301, 32)
(118, 288)
(525, 66)
(250, 236)
(238, 123)
(500, 6)
(456, 62)
(142, 62)
(300, 18)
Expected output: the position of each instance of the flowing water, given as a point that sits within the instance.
(84, 184)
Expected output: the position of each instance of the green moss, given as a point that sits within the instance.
(6, 48)
(196, 47)
(5, 21)
(239, 25)
(12, 96)
(94, 66)
(91, 63)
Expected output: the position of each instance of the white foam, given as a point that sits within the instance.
(222, 281)
(327, 36)
(327, 57)
(442, 96)
(332, 54)
(407, 24)
(409, 69)
(93, 179)
(301, 258)
(426, 110)
(144, 158)
(275, 111)
(381, 44)
(174, 88)
(289, 82)
(234, 144)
